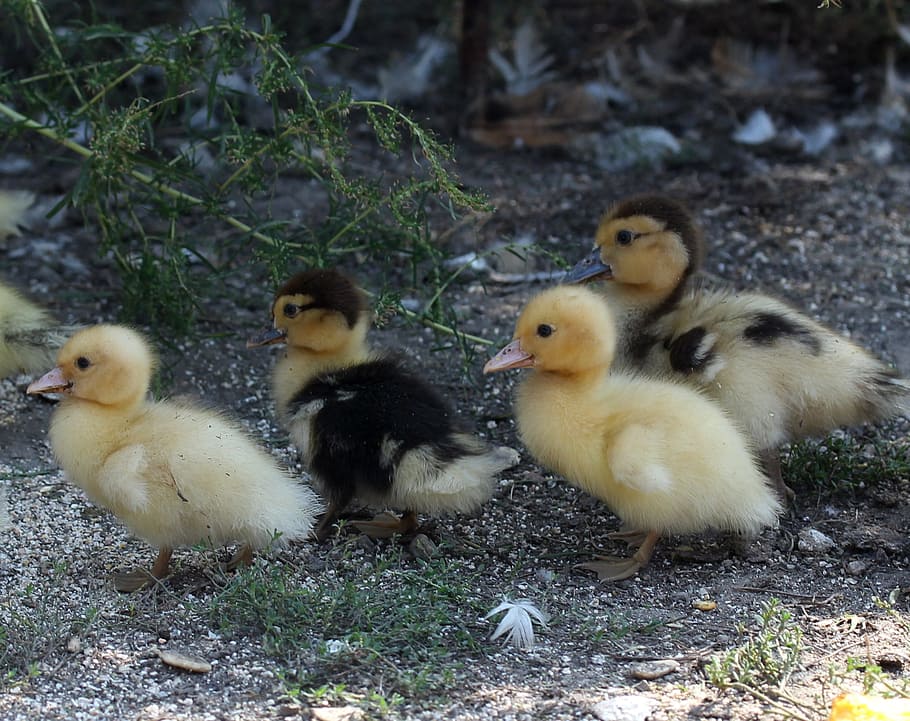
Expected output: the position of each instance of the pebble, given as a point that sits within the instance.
(811, 540)
(624, 708)
(650, 670)
(185, 661)
(74, 645)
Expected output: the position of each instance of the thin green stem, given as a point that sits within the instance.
(52, 41)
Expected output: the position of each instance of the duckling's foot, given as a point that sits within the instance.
(243, 557)
(633, 538)
(386, 525)
(613, 568)
(130, 581)
(770, 460)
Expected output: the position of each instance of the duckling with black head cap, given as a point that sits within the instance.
(365, 425)
(782, 375)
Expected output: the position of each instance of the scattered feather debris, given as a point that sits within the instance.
(626, 148)
(518, 624)
(410, 76)
(758, 129)
(530, 66)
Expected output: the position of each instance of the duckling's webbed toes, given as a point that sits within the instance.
(135, 580)
(386, 525)
(612, 568)
(132, 581)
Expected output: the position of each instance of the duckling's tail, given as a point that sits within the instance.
(890, 396)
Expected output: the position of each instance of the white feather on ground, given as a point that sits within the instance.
(518, 624)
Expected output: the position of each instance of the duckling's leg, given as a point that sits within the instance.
(328, 519)
(770, 460)
(385, 525)
(613, 568)
(243, 557)
(129, 581)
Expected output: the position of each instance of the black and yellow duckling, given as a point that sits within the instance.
(780, 374)
(663, 457)
(365, 425)
(175, 473)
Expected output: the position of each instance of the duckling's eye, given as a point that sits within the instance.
(82, 363)
(290, 310)
(544, 330)
(624, 237)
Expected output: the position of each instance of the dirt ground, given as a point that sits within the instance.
(831, 234)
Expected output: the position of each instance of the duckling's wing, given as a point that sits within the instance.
(634, 455)
(122, 478)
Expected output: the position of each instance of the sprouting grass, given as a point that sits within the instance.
(32, 625)
(411, 625)
(842, 462)
(182, 137)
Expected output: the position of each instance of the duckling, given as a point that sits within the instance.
(175, 473)
(14, 205)
(365, 425)
(29, 337)
(780, 374)
(663, 457)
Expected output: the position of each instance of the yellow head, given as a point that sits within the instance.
(650, 242)
(111, 365)
(567, 330)
(321, 311)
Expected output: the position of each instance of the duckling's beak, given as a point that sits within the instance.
(51, 382)
(589, 268)
(267, 337)
(512, 356)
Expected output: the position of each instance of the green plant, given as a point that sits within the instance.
(182, 137)
(410, 625)
(842, 461)
(768, 655)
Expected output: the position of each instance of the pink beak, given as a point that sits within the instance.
(512, 356)
(51, 382)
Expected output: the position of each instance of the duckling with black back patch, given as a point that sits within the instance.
(365, 425)
(782, 375)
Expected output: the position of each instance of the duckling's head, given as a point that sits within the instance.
(647, 241)
(566, 330)
(111, 365)
(320, 310)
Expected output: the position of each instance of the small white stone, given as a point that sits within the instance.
(625, 708)
(811, 540)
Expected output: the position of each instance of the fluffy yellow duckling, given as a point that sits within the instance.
(780, 374)
(664, 458)
(364, 424)
(29, 337)
(174, 473)
(14, 205)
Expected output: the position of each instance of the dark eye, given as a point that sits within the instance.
(290, 310)
(544, 330)
(624, 237)
(82, 362)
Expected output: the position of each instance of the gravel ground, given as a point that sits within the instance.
(831, 235)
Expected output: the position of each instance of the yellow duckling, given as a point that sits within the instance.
(174, 473)
(14, 205)
(780, 374)
(665, 459)
(364, 424)
(29, 337)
